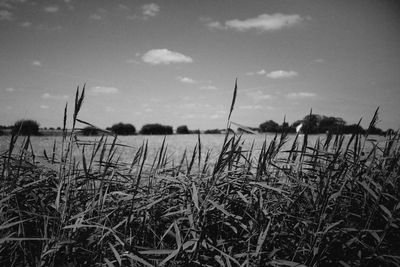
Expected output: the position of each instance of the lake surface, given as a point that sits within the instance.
(176, 144)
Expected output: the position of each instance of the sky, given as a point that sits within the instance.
(175, 62)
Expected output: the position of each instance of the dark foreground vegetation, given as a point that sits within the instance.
(332, 203)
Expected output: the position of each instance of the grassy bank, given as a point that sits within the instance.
(331, 204)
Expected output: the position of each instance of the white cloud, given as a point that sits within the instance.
(44, 106)
(301, 95)
(150, 10)
(263, 22)
(36, 63)
(215, 25)
(319, 60)
(55, 97)
(259, 95)
(6, 15)
(103, 90)
(10, 89)
(260, 72)
(186, 80)
(165, 56)
(281, 74)
(51, 9)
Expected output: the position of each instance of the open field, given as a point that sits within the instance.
(322, 202)
(176, 144)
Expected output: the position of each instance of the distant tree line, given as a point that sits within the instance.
(311, 124)
(317, 124)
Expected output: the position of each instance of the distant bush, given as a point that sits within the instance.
(182, 130)
(123, 129)
(156, 128)
(269, 126)
(1, 132)
(212, 131)
(88, 131)
(26, 127)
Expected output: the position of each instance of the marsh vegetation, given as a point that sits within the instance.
(331, 203)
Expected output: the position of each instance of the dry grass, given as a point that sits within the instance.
(331, 204)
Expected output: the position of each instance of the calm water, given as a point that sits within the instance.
(176, 143)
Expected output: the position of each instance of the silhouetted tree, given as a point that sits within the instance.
(269, 126)
(123, 129)
(331, 124)
(156, 129)
(182, 130)
(311, 123)
(26, 127)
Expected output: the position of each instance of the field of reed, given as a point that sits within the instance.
(333, 203)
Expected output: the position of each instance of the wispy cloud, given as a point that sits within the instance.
(259, 95)
(54, 97)
(150, 10)
(95, 16)
(282, 74)
(6, 15)
(186, 80)
(51, 9)
(260, 72)
(165, 57)
(263, 22)
(10, 3)
(250, 107)
(218, 114)
(37, 63)
(100, 14)
(44, 106)
(103, 90)
(9, 89)
(208, 87)
(48, 28)
(301, 95)
(26, 24)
